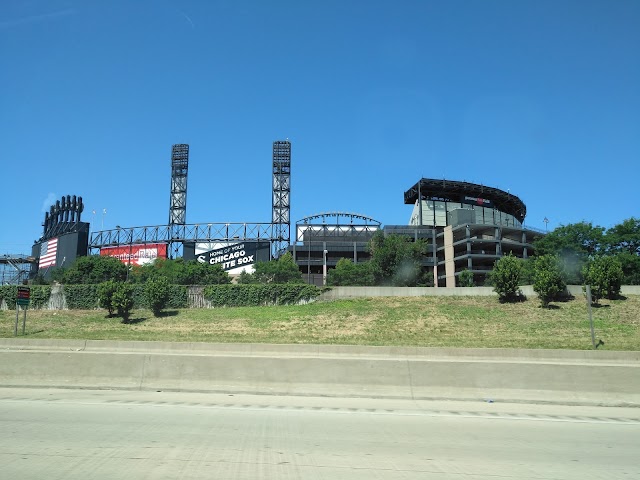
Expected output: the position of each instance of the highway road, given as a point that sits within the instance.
(89, 434)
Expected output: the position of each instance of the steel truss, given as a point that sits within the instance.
(14, 269)
(281, 206)
(208, 232)
(179, 168)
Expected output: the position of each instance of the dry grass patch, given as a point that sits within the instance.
(415, 321)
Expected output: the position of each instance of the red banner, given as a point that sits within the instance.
(136, 254)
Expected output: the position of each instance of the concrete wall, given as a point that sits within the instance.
(355, 292)
(559, 376)
(337, 293)
(196, 300)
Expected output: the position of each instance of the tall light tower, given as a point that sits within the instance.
(281, 206)
(178, 200)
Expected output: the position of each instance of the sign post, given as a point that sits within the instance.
(23, 299)
(589, 300)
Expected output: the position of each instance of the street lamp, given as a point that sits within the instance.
(324, 267)
(546, 221)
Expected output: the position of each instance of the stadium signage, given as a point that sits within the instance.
(231, 256)
(136, 254)
(483, 202)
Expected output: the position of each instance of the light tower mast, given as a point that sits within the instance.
(178, 200)
(281, 205)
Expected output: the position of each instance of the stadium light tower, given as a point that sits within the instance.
(179, 167)
(281, 205)
(178, 199)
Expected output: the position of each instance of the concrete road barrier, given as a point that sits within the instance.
(554, 376)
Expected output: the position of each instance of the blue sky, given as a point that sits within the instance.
(538, 97)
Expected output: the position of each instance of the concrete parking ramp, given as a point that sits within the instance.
(545, 376)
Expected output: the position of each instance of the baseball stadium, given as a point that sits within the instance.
(467, 227)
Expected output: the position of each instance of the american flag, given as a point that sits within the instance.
(48, 251)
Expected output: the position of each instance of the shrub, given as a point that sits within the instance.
(604, 275)
(465, 279)
(156, 292)
(259, 294)
(39, 295)
(506, 278)
(548, 279)
(105, 295)
(122, 301)
(81, 297)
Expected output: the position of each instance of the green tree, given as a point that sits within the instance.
(282, 270)
(527, 275)
(197, 273)
(630, 268)
(397, 260)
(506, 278)
(181, 272)
(348, 273)
(573, 244)
(604, 275)
(624, 237)
(246, 278)
(156, 292)
(122, 301)
(92, 269)
(465, 279)
(105, 295)
(548, 279)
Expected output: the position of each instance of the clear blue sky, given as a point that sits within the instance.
(538, 97)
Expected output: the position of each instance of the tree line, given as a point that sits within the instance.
(577, 254)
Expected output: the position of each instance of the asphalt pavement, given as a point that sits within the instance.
(102, 434)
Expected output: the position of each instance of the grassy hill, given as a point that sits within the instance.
(409, 321)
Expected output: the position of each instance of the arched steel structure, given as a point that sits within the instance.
(353, 226)
(337, 215)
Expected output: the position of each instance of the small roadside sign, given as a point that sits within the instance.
(24, 296)
(23, 299)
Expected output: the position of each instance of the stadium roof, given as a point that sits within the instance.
(452, 190)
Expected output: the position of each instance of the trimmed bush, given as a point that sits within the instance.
(156, 292)
(604, 274)
(465, 279)
(122, 301)
(259, 295)
(105, 295)
(39, 295)
(548, 279)
(82, 297)
(506, 278)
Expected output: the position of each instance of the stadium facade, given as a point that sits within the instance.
(474, 225)
(468, 227)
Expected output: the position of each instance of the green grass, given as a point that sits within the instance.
(412, 321)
